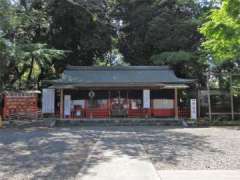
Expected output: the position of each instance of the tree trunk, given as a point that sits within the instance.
(41, 75)
(31, 70)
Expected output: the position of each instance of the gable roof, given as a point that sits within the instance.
(120, 76)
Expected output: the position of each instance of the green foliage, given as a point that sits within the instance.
(35, 59)
(159, 32)
(185, 64)
(83, 27)
(38, 38)
(171, 57)
(222, 32)
(23, 55)
(154, 26)
(3, 61)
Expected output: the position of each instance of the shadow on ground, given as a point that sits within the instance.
(64, 153)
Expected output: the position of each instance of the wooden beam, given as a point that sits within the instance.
(61, 104)
(176, 102)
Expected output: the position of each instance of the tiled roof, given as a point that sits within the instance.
(85, 76)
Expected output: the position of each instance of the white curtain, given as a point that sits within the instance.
(48, 101)
(67, 105)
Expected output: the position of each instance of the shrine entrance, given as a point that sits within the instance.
(119, 103)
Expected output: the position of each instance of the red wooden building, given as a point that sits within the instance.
(102, 92)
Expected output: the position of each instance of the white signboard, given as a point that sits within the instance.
(193, 109)
(67, 105)
(146, 98)
(48, 101)
(163, 104)
(78, 103)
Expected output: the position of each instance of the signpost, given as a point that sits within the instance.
(193, 109)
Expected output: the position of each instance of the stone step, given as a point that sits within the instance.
(62, 123)
(51, 122)
(29, 124)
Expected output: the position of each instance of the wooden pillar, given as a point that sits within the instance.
(61, 104)
(176, 102)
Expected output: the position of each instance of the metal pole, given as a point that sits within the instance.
(199, 103)
(231, 97)
(209, 97)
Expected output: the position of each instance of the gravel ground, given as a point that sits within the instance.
(61, 153)
(192, 148)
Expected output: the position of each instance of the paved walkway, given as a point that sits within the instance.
(133, 165)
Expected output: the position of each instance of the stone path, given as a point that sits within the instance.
(133, 165)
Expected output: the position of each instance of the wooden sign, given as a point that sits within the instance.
(146, 98)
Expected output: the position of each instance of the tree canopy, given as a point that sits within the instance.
(38, 38)
(83, 27)
(154, 27)
(222, 32)
(158, 32)
(24, 53)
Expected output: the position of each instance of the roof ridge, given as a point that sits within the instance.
(109, 68)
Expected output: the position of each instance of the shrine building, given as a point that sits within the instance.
(105, 92)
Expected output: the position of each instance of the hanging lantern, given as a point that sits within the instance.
(91, 94)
